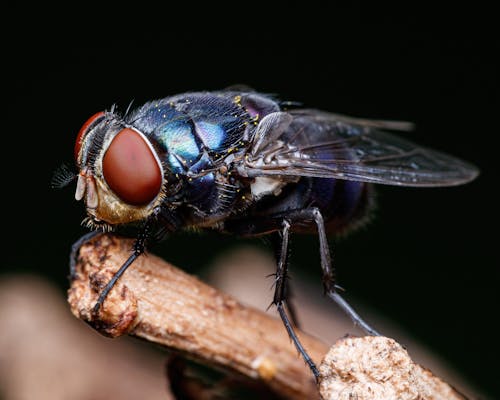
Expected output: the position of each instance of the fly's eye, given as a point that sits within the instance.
(83, 130)
(130, 168)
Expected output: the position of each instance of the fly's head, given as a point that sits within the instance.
(120, 176)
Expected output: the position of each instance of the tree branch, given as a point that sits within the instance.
(162, 304)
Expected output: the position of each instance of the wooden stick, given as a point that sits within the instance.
(377, 367)
(160, 303)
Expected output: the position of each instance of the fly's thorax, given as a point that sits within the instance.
(121, 177)
(171, 153)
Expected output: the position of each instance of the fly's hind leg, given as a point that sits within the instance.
(279, 299)
(328, 273)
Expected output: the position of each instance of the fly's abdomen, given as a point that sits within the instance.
(343, 203)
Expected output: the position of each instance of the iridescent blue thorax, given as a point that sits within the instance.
(192, 135)
(191, 126)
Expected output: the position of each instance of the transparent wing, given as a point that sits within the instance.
(325, 145)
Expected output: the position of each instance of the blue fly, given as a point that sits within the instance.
(244, 163)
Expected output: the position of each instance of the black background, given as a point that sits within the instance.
(429, 258)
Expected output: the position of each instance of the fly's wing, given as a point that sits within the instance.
(324, 145)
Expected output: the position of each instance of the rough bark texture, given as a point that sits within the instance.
(162, 304)
(378, 368)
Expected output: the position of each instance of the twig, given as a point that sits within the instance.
(163, 304)
(160, 303)
(378, 368)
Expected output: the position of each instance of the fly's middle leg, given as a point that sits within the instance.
(286, 290)
(279, 299)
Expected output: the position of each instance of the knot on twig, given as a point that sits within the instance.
(376, 367)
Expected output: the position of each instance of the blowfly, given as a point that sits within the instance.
(240, 162)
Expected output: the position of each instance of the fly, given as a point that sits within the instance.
(241, 162)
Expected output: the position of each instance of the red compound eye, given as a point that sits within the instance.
(130, 168)
(83, 130)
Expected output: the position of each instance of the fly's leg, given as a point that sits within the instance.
(138, 249)
(74, 250)
(102, 296)
(275, 239)
(328, 272)
(279, 299)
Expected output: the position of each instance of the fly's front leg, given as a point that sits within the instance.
(138, 249)
(328, 272)
(279, 299)
(74, 250)
(102, 296)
